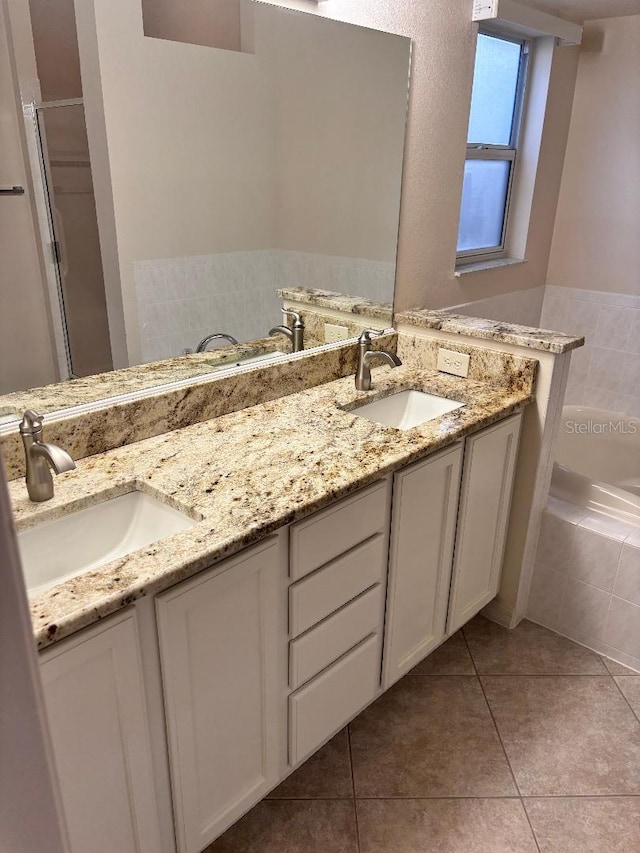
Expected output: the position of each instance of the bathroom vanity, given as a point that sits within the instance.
(356, 549)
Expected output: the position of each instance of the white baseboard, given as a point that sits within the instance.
(497, 612)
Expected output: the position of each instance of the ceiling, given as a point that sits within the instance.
(585, 10)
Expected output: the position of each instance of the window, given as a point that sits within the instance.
(492, 147)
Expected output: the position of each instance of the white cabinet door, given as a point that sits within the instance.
(487, 484)
(219, 647)
(423, 527)
(97, 717)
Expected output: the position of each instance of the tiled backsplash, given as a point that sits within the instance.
(180, 300)
(606, 372)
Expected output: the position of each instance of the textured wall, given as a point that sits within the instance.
(442, 74)
(595, 242)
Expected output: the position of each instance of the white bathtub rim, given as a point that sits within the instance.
(595, 496)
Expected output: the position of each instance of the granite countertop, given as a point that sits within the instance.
(244, 475)
(492, 330)
(339, 302)
(140, 377)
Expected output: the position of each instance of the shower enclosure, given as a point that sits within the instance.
(72, 237)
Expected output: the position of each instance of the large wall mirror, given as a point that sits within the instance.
(202, 166)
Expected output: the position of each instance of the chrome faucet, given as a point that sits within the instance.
(295, 334)
(366, 355)
(204, 343)
(39, 456)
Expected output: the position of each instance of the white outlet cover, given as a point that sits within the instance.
(456, 363)
(333, 333)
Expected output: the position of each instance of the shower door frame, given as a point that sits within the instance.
(42, 183)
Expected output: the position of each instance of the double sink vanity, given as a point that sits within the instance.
(214, 603)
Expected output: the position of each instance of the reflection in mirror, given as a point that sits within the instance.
(236, 158)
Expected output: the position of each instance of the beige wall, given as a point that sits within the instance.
(596, 243)
(442, 73)
(215, 23)
(208, 151)
(56, 49)
(341, 111)
(181, 159)
(26, 349)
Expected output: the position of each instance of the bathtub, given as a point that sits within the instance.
(598, 462)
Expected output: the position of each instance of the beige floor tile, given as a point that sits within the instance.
(327, 774)
(572, 736)
(444, 826)
(586, 824)
(292, 826)
(630, 686)
(617, 668)
(451, 658)
(429, 737)
(528, 649)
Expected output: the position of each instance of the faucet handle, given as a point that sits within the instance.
(297, 319)
(367, 334)
(31, 423)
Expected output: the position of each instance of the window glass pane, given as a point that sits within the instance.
(495, 86)
(484, 198)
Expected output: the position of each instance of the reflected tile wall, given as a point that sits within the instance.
(606, 372)
(180, 300)
(373, 279)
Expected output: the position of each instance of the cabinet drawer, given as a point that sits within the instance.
(316, 597)
(333, 531)
(319, 647)
(323, 706)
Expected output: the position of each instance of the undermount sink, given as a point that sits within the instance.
(58, 550)
(407, 409)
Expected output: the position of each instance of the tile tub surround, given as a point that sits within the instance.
(113, 425)
(490, 330)
(503, 680)
(586, 583)
(606, 373)
(246, 474)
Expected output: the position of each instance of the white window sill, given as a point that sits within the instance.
(494, 264)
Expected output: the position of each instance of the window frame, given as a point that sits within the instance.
(486, 151)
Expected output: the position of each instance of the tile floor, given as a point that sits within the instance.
(500, 741)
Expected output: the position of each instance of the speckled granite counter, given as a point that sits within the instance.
(101, 386)
(248, 473)
(382, 311)
(492, 330)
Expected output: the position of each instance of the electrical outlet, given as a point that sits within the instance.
(333, 333)
(453, 362)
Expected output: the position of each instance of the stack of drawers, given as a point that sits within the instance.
(338, 571)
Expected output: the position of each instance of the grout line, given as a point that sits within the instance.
(635, 713)
(533, 832)
(516, 675)
(497, 730)
(502, 797)
(353, 790)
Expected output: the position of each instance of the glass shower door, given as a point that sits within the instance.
(72, 213)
